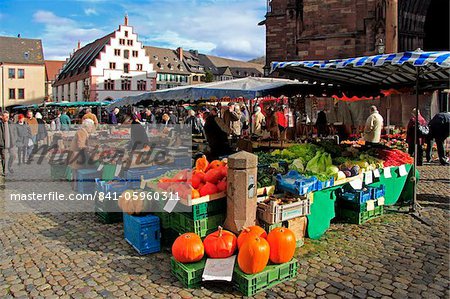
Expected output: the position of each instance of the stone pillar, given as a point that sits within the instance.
(241, 192)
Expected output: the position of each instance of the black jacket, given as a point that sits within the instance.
(12, 134)
(23, 134)
(440, 125)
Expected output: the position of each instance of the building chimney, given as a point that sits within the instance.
(180, 53)
(79, 45)
(126, 20)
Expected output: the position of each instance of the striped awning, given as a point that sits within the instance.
(383, 71)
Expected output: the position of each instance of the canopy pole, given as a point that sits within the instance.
(416, 126)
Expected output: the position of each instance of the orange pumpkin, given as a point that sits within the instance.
(201, 164)
(220, 244)
(214, 164)
(188, 248)
(253, 255)
(282, 245)
(247, 232)
(195, 193)
(208, 189)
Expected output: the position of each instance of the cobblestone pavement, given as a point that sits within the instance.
(73, 256)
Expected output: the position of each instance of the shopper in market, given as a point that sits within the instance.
(65, 121)
(258, 122)
(33, 123)
(194, 123)
(41, 136)
(148, 117)
(91, 116)
(173, 117)
(372, 129)
(78, 156)
(23, 135)
(114, 116)
(217, 133)
(439, 127)
(230, 116)
(322, 124)
(420, 138)
(166, 121)
(272, 124)
(282, 122)
(139, 138)
(244, 120)
(7, 143)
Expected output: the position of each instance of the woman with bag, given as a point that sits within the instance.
(422, 131)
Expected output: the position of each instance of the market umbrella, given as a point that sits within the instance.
(422, 70)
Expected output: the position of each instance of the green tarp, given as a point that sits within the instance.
(323, 206)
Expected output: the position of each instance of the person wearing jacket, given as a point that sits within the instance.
(195, 123)
(230, 117)
(217, 133)
(23, 135)
(65, 121)
(372, 129)
(7, 143)
(42, 129)
(410, 136)
(258, 122)
(439, 127)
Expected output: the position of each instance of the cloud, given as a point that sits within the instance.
(220, 27)
(90, 11)
(61, 35)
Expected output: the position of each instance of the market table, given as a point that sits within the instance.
(323, 206)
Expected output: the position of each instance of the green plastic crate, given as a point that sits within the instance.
(58, 172)
(250, 284)
(268, 227)
(164, 218)
(354, 206)
(183, 224)
(168, 236)
(356, 217)
(190, 275)
(109, 218)
(203, 210)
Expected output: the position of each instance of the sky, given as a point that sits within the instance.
(226, 28)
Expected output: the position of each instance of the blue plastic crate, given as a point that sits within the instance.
(326, 184)
(116, 185)
(143, 233)
(357, 196)
(87, 175)
(134, 175)
(378, 192)
(85, 187)
(295, 183)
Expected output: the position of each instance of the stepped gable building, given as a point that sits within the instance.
(111, 67)
(22, 71)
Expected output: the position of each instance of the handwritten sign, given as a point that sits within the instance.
(118, 169)
(370, 205)
(381, 201)
(368, 179)
(356, 184)
(387, 172)
(376, 173)
(219, 269)
(100, 167)
(402, 170)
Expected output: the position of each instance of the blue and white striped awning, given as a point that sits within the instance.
(386, 70)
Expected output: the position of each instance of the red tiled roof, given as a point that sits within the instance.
(52, 68)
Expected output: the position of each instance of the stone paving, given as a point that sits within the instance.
(71, 255)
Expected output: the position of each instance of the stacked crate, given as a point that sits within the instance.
(106, 201)
(203, 219)
(359, 206)
(143, 233)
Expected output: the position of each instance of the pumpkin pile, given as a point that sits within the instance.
(206, 178)
(255, 246)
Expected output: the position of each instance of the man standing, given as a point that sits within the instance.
(7, 143)
(148, 116)
(372, 129)
(33, 123)
(230, 116)
(65, 121)
(439, 131)
(91, 116)
(217, 135)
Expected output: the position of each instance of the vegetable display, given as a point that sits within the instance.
(250, 231)
(282, 245)
(253, 255)
(220, 244)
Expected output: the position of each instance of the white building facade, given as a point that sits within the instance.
(112, 67)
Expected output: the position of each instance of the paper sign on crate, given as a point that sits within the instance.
(368, 177)
(219, 269)
(376, 173)
(370, 205)
(402, 170)
(387, 172)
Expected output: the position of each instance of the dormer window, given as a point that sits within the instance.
(155, 57)
(166, 58)
(159, 65)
